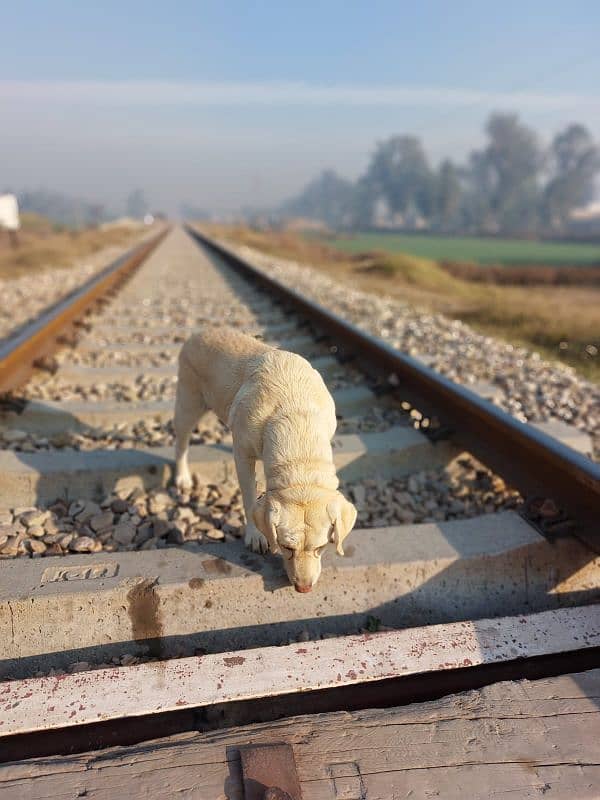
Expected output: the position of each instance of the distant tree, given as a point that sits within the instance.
(400, 173)
(478, 185)
(96, 213)
(574, 163)
(500, 190)
(137, 205)
(364, 201)
(190, 211)
(329, 198)
(62, 209)
(448, 196)
(514, 159)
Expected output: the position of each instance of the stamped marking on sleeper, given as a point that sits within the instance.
(83, 572)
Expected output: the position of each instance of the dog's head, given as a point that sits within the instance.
(299, 523)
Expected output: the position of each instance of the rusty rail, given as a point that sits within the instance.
(41, 337)
(549, 474)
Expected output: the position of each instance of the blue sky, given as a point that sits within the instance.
(231, 103)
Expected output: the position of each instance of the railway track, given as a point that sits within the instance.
(468, 520)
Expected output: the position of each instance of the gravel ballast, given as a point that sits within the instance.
(139, 434)
(163, 518)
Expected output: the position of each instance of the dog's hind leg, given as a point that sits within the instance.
(189, 407)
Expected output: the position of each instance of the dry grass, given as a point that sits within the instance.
(539, 317)
(43, 245)
(524, 276)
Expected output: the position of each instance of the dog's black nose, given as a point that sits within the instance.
(302, 589)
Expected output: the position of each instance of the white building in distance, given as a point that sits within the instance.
(9, 212)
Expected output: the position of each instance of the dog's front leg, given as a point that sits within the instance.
(245, 466)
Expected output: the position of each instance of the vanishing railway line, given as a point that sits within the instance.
(110, 579)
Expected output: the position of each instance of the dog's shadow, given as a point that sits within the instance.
(225, 555)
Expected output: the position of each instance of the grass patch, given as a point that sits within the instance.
(42, 246)
(560, 322)
(417, 272)
(473, 249)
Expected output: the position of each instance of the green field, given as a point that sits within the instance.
(472, 249)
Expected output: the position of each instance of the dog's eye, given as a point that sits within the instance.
(287, 552)
(319, 550)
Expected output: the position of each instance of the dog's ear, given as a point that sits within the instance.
(343, 516)
(266, 513)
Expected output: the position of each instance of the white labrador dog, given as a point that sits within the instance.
(279, 411)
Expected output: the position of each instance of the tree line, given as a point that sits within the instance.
(75, 212)
(513, 185)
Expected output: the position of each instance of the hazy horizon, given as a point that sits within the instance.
(225, 108)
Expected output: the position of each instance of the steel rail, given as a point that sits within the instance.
(538, 465)
(41, 337)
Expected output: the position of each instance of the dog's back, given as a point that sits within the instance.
(219, 360)
(235, 374)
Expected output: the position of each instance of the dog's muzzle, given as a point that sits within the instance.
(302, 589)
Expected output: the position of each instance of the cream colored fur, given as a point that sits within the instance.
(279, 411)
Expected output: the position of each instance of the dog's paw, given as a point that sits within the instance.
(183, 482)
(254, 540)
